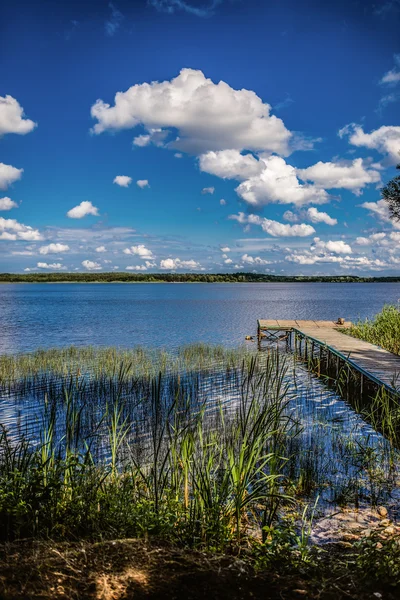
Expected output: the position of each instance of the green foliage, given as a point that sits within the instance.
(378, 558)
(383, 330)
(391, 194)
(97, 277)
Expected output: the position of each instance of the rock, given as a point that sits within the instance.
(382, 511)
(384, 523)
(348, 537)
(249, 337)
(345, 544)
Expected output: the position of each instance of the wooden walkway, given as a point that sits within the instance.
(373, 360)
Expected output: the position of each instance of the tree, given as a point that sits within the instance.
(391, 194)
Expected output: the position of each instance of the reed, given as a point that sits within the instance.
(383, 330)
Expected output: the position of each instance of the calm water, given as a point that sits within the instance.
(169, 315)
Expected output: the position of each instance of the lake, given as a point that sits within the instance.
(169, 315)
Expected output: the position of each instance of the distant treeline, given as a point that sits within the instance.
(180, 278)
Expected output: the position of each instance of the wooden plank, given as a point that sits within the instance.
(376, 361)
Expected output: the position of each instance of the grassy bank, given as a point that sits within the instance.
(205, 455)
(383, 330)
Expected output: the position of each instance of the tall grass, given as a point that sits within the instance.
(190, 473)
(206, 446)
(383, 330)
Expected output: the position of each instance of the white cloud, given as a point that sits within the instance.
(207, 116)
(172, 264)
(392, 77)
(208, 190)
(54, 266)
(230, 164)
(375, 238)
(348, 175)
(101, 249)
(385, 140)
(8, 175)
(278, 183)
(142, 183)
(90, 265)
(141, 251)
(178, 154)
(228, 261)
(222, 202)
(380, 210)
(274, 228)
(53, 249)
(290, 216)
(155, 136)
(123, 180)
(136, 268)
(12, 117)
(316, 216)
(338, 247)
(225, 249)
(7, 204)
(83, 209)
(251, 260)
(10, 229)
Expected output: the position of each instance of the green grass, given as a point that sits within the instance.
(383, 330)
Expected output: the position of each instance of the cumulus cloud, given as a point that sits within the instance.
(7, 203)
(222, 202)
(142, 183)
(140, 251)
(353, 175)
(8, 175)
(230, 164)
(385, 140)
(251, 260)
(12, 118)
(207, 116)
(380, 210)
(208, 190)
(83, 209)
(101, 249)
(278, 183)
(54, 266)
(375, 238)
(315, 216)
(274, 228)
(137, 268)
(172, 264)
(225, 249)
(53, 249)
(91, 265)
(10, 229)
(123, 180)
(155, 136)
(338, 247)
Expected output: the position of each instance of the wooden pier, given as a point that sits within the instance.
(322, 343)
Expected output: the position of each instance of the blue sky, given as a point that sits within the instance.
(210, 136)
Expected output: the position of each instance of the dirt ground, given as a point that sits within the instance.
(136, 569)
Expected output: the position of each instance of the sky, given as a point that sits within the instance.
(199, 136)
